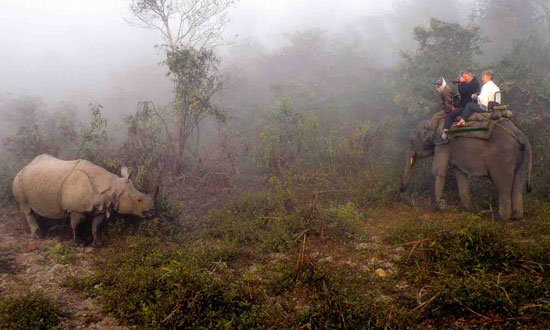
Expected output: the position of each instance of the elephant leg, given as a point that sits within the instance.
(503, 182)
(98, 219)
(517, 196)
(76, 218)
(463, 188)
(438, 192)
(439, 170)
(32, 220)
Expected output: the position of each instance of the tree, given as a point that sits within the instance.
(196, 81)
(505, 21)
(183, 23)
(190, 30)
(542, 15)
(93, 136)
(444, 50)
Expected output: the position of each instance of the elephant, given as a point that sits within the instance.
(504, 158)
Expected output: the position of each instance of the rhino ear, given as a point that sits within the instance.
(124, 172)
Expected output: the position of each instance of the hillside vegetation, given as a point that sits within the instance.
(280, 208)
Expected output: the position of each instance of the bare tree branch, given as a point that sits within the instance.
(183, 23)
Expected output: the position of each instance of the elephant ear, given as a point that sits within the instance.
(427, 124)
(427, 136)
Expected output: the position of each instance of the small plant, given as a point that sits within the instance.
(476, 269)
(163, 287)
(92, 137)
(64, 254)
(32, 311)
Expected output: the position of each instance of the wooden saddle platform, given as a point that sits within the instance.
(478, 126)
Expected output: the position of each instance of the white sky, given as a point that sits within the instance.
(52, 48)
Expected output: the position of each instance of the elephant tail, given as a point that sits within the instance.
(528, 156)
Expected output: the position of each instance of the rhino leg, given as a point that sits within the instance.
(76, 218)
(98, 219)
(32, 220)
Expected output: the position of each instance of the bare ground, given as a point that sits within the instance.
(28, 265)
(43, 265)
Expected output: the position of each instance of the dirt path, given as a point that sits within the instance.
(28, 265)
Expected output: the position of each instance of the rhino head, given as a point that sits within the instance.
(130, 200)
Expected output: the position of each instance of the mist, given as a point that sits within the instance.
(82, 52)
(278, 164)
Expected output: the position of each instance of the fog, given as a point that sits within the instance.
(81, 51)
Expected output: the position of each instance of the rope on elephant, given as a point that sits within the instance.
(509, 131)
(506, 129)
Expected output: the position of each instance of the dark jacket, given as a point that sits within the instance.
(466, 90)
(447, 99)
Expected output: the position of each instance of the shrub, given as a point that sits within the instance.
(32, 311)
(64, 254)
(476, 269)
(273, 224)
(166, 287)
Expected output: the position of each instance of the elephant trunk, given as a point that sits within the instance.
(407, 172)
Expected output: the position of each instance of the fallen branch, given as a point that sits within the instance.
(415, 242)
(427, 302)
(471, 310)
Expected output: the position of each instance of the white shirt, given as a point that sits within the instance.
(487, 94)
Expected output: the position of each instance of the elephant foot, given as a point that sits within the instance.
(79, 243)
(98, 243)
(439, 206)
(517, 215)
(499, 217)
(466, 207)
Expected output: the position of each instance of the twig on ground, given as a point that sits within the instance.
(427, 302)
(471, 310)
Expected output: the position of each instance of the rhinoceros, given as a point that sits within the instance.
(58, 189)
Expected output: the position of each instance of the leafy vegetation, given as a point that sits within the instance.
(64, 254)
(474, 267)
(33, 311)
(318, 236)
(223, 273)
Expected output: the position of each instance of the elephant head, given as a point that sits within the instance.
(421, 146)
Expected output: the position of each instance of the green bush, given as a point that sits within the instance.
(475, 268)
(340, 298)
(275, 225)
(33, 311)
(161, 287)
(254, 220)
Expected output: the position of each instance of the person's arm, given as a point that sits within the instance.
(468, 89)
(483, 97)
(462, 88)
(448, 101)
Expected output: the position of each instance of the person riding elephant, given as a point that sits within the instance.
(489, 93)
(503, 158)
(446, 101)
(467, 85)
